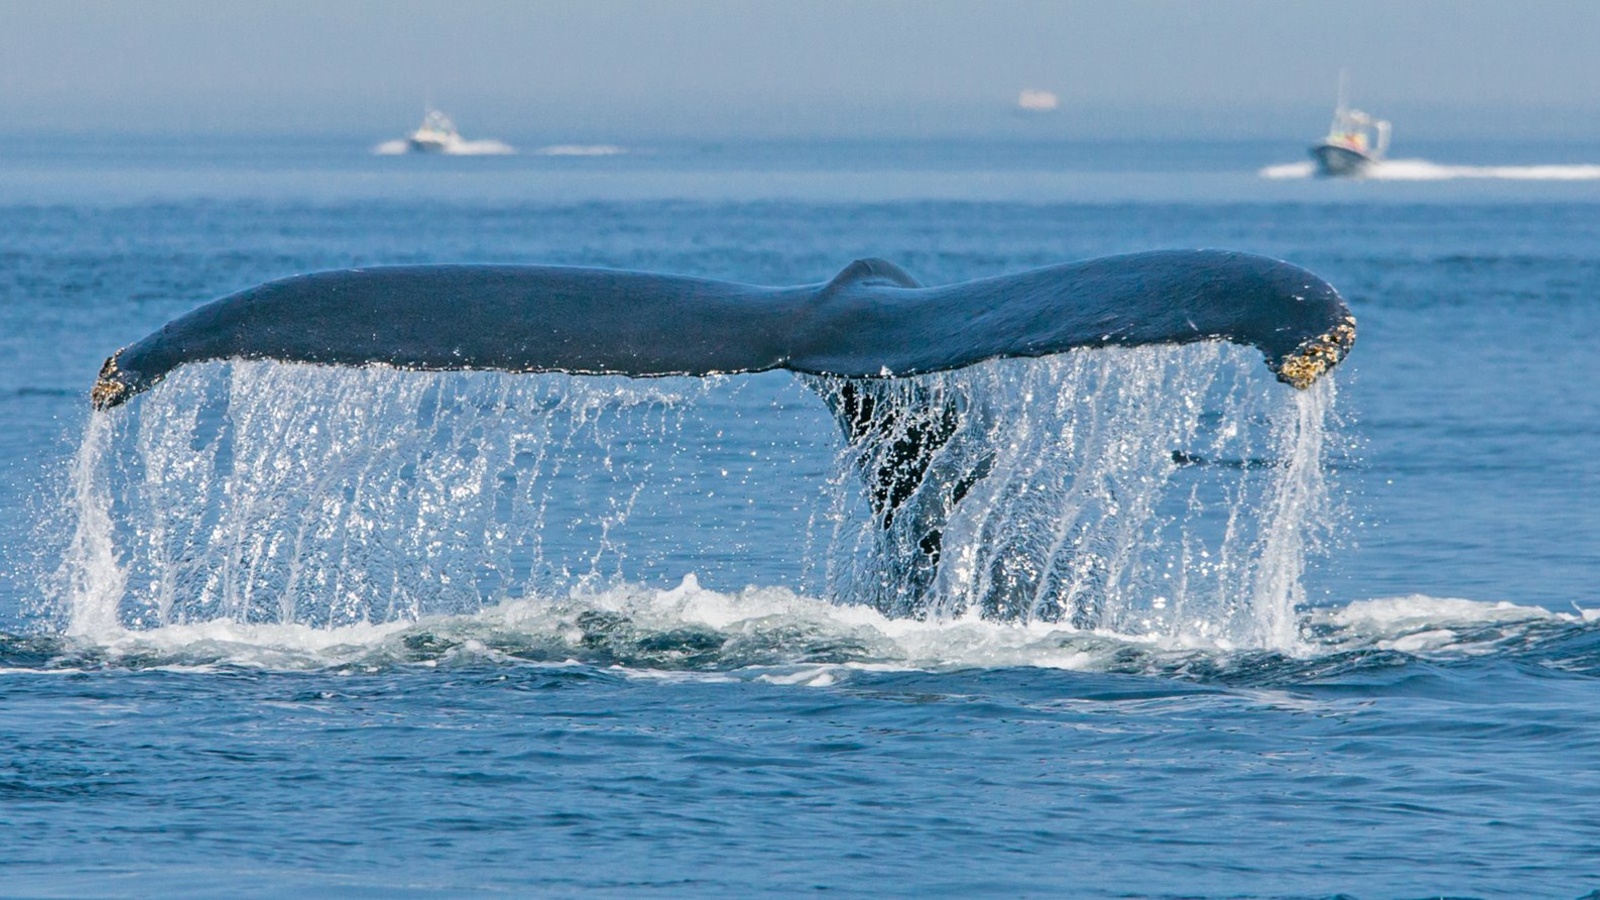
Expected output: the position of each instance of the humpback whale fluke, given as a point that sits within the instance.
(855, 340)
(871, 321)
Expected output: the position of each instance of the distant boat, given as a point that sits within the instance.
(1036, 101)
(438, 134)
(1354, 143)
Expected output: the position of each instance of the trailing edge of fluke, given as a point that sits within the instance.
(871, 321)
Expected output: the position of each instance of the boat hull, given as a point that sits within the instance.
(1341, 162)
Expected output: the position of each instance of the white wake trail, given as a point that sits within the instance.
(1426, 170)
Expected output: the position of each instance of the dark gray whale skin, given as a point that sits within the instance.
(871, 321)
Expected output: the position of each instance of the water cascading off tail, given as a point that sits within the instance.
(1162, 491)
(1157, 491)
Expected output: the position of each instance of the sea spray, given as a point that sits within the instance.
(92, 577)
(1165, 493)
(266, 493)
(1168, 492)
(1296, 516)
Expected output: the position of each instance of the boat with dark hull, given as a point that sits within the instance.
(1355, 142)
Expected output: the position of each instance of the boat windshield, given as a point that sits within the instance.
(1358, 131)
(437, 121)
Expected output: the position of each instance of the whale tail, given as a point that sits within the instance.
(863, 341)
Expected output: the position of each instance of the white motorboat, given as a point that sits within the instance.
(436, 135)
(1355, 141)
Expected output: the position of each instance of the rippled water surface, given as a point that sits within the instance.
(278, 629)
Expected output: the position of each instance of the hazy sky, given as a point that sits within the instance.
(605, 68)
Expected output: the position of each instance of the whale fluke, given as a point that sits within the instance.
(855, 340)
(871, 321)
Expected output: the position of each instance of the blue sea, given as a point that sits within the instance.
(275, 630)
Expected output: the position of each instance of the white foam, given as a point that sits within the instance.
(580, 150)
(453, 148)
(752, 615)
(1388, 614)
(805, 676)
(1425, 170)
(764, 616)
(1289, 170)
(785, 624)
(1433, 626)
(275, 647)
(1420, 641)
(487, 147)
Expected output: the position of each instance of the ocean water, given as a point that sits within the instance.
(276, 630)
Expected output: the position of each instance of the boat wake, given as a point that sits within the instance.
(1424, 170)
(580, 150)
(401, 147)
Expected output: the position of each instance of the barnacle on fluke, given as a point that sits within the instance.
(1312, 359)
(109, 388)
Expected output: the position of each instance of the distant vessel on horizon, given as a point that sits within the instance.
(1032, 100)
(437, 134)
(1355, 141)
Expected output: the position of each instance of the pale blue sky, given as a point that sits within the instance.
(605, 68)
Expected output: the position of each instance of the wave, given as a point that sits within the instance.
(1424, 170)
(774, 634)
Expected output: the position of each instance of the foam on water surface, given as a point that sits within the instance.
(777, 636)
(581, 150)
(487, 147)
(1426, 170)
